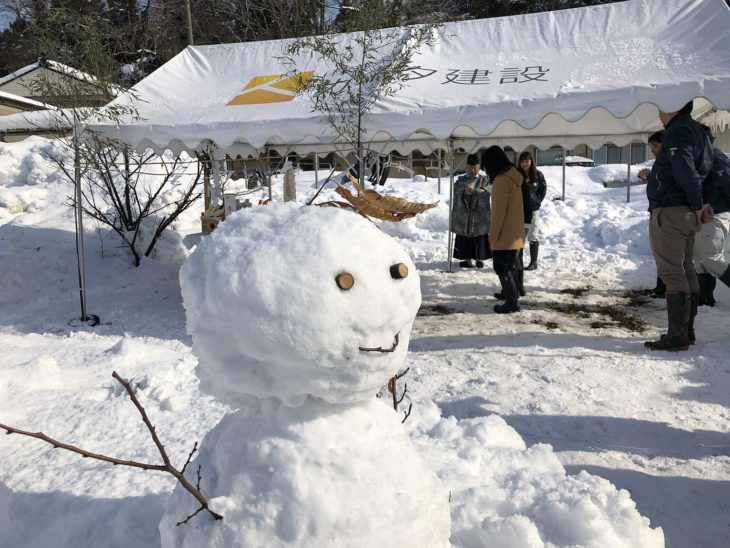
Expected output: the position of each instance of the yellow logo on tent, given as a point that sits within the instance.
(259, 89)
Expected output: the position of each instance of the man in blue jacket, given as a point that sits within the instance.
(709, 255)
(674, 190)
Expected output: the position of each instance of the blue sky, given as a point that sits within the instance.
(6, 16)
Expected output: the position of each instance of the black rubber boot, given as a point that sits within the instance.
(518, 276)
(520, 281)
(677, 336)
(711, 284)
(707, 286)
(534, 248)
(693, 298)
(702, 295)
(509, 290)
(725, 278)
(658, 291)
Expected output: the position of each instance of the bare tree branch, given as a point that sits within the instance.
(166, 467)
(58, 445)
(190, 456)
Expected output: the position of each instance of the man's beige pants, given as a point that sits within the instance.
(672, 236)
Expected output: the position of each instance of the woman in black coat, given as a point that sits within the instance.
(534, 189)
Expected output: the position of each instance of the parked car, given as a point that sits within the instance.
(574, 161)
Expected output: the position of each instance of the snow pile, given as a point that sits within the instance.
(505, 494)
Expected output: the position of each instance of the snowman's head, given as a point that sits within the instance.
(290, 301)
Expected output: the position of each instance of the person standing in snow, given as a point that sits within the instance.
(709, 256)
(507, 230)
(655, 141)
(674, 190)
(534, 189)
(470, 216)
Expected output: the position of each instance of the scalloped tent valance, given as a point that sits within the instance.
(590, 75)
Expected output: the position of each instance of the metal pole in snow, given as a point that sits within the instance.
(316, 170)
(439, 183)
(449, 251)
(79, 220)
(268, 169)
(563, 173)
(628, 177)
(92, 319)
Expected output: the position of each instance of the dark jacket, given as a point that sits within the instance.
(533, 193)
(526, 202)
(716, 188)
(538, 189)
(681, 165)
(471, 214)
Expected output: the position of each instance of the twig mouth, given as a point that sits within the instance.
(380, 348)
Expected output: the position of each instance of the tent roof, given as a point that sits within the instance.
(588, 75)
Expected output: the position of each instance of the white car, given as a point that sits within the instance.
(574, 161)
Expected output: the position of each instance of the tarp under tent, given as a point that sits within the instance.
(591, 75)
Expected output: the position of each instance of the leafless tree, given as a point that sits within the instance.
(136, 195)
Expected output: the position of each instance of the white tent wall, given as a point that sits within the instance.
(590, 75)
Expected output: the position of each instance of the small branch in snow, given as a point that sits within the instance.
(393, 389)
(191, 516)
(190, 456)
(407, 413)
(58, 445)
(327, 180)
(166, 467)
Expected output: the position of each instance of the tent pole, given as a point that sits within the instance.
(563, 174)
(440, 160)
(268, 170)
(628, 177)
(316, 170)
(92, 319)
(451, 209)
(216, 190)
(79, 220)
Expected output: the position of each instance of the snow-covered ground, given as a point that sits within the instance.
(550, 427)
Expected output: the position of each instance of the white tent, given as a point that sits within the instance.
(581, 76)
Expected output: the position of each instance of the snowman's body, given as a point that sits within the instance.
(311, 457)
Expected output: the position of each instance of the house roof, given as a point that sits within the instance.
(50, 65)
(48, 121)
(31, 104)
(588, 75)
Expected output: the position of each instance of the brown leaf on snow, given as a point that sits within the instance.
(387, 208)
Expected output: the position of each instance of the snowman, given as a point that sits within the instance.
(298, 316)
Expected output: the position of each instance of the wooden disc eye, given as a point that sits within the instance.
(399, 271)
(345, 281)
